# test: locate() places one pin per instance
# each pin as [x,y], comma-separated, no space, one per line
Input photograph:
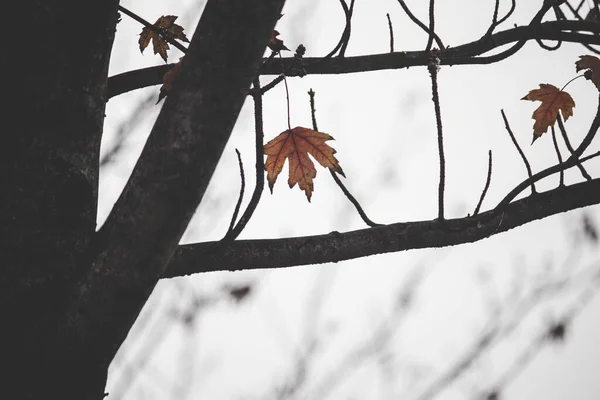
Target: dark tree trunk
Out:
[48,190]
[68,294]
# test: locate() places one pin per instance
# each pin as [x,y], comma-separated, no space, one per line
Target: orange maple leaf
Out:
[553,99]
[165,29]
[168,79]
[275,43]
[592,65]
[295,145]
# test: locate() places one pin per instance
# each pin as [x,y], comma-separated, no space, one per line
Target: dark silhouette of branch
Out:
[433,70]
[487,184]
[391,29]
[571,161]
[460,55]
[514,140]
[509,13]
[336,246]
[565,137]
[132,249]
[337,180]
[421,25]
[260,167]
[431,24]
[559,156]
[241,196]
[348,30]
[168,38]
[494,23]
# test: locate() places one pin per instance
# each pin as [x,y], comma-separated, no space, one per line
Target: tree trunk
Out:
[49,178]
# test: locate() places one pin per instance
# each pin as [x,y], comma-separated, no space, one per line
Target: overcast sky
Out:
[385,132]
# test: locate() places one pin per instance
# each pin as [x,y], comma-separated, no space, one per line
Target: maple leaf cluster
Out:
[295,145]
[163,30]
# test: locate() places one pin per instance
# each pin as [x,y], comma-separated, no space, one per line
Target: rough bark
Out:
[49,179]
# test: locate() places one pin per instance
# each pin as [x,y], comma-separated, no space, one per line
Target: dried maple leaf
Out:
[295,145]
[168,79]
[165,29]
[553,100]
[275,43]
[592,65]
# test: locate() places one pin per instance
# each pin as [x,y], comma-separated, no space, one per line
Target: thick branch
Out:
[135,244]
[334,247]
[554,30]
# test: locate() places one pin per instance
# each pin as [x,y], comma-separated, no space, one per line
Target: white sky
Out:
[385,134]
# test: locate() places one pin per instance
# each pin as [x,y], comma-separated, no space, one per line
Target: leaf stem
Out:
[287,94]
[577,77]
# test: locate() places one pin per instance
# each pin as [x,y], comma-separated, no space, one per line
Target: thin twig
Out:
[359,209]
[561,182]
[421,25]
[272,84]
[509,13]
[535,23]
[494,23]
[148,25]
[347,31]
[391,29]
[570,162]
[311,95]
[433,70]
[342,38]
[353,200]
[260,168]
[514,140]
[487,184]
[241,196]
[431,24]
[587,158]
[565,137]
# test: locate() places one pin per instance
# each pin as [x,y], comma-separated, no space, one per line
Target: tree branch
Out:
[133,248]
[335,246]
[553,30]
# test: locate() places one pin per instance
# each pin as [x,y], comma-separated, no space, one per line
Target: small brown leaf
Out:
[552,100]
[592,65]
[165,29]
[295,145]
[275,43]
[168,79]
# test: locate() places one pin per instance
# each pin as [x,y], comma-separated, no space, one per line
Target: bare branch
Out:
[259,166]
[487,184]
[132,250]
[553,30]
[433,70]
[241,196]
[561,173]
[391,29]
[565,137]
[421,25]
[335,246]
[514,140]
